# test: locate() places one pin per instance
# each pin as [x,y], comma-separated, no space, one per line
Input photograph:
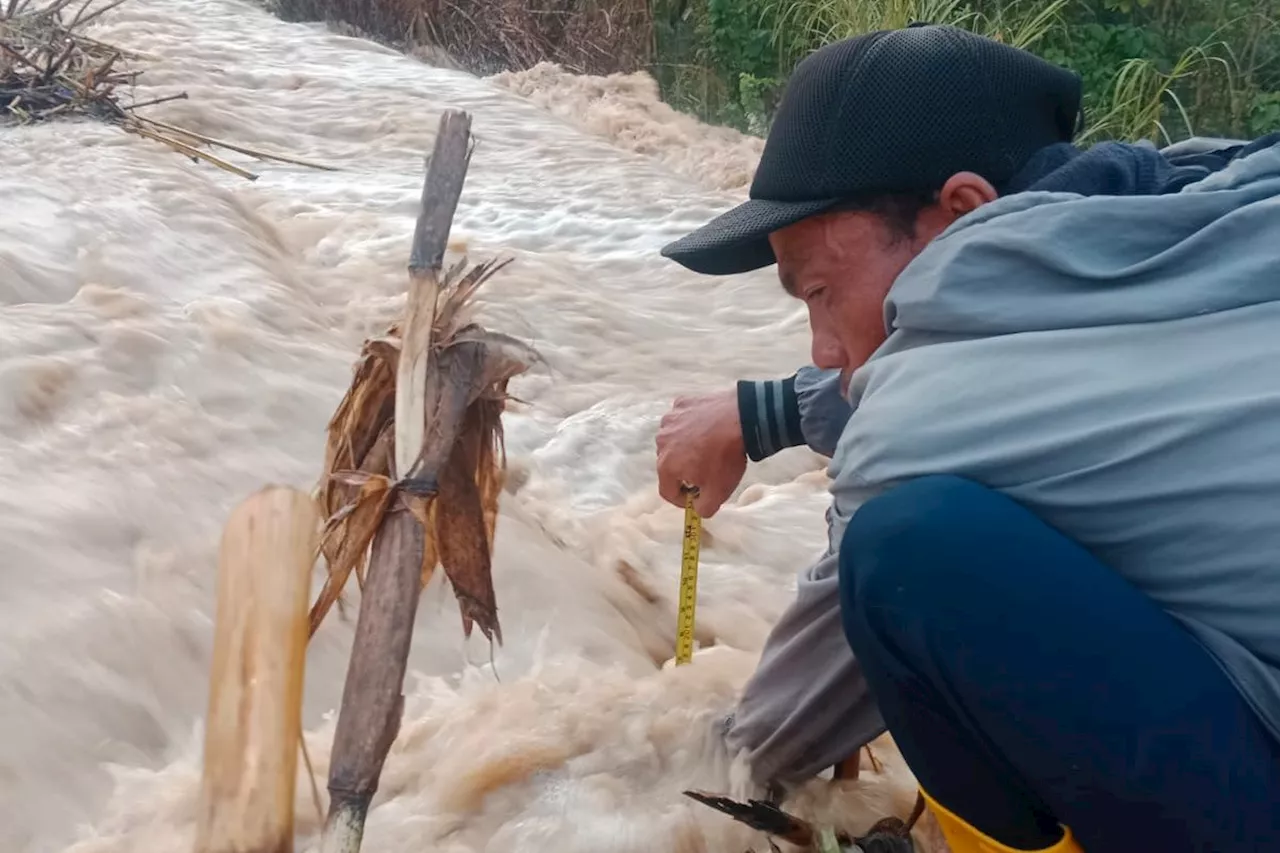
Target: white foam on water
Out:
[173,337]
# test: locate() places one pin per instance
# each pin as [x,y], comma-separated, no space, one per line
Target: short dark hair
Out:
[898,211]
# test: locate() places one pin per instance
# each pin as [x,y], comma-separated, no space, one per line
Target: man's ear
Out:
[965,192]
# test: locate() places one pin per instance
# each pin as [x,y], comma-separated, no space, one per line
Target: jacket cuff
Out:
[770,416]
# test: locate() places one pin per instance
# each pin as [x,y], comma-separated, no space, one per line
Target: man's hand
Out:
[700,444]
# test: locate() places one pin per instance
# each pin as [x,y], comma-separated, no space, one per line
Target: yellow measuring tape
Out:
[688,602]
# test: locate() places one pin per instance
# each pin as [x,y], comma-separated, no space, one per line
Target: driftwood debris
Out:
[413,471]
[760,815]
[49,69]
[255,692]
[887,835]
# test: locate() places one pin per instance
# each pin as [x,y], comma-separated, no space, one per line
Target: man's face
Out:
[841,265]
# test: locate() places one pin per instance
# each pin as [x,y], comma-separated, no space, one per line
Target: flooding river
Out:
[172,337]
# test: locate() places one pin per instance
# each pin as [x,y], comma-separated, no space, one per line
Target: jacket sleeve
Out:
[806,408]
[807,707]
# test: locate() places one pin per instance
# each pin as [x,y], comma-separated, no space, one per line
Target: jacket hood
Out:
[1036,261]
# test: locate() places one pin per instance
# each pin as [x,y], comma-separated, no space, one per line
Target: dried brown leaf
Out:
[350,478]
[454,485]
[358,422]
[338,517]
[385,349]
[378,459]
[505,357]
[463,543]
[484,422]
[346,543]
[457,300]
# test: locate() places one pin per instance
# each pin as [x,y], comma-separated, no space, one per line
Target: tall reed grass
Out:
[799,25]
[1154,69]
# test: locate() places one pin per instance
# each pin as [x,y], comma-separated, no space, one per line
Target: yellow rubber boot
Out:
[963,838]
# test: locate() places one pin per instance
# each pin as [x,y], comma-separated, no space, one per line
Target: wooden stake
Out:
[372,701]
[441,189]
[259,656]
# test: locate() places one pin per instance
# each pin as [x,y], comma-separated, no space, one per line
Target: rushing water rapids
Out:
[172,337]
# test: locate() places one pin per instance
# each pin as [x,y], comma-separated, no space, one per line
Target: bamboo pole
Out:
[222,143]
[372,701]
[255,693]
[191,151]
[441,189]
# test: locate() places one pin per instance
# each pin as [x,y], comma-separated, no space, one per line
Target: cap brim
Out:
[738,240]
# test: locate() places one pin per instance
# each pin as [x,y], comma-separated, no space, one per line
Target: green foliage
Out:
[1152,69]
[738,42]
[1264,113]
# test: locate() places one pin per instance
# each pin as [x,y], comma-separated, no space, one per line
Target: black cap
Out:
[892,111]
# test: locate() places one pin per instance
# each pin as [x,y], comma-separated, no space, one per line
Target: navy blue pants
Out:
[1029,685]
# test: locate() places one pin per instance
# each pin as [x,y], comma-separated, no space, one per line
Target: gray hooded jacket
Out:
[1113,363]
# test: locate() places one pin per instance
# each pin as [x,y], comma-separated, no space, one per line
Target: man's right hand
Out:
[700,444]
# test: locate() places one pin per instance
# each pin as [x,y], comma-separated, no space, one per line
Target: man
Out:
[1053,568]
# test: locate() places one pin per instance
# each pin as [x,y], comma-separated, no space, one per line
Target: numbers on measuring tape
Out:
[688,601]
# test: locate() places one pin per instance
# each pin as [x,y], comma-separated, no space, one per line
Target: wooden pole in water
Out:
[372,701]
[259,656]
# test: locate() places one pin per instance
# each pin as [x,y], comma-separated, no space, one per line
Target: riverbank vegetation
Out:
[1153,69]
[1157,69]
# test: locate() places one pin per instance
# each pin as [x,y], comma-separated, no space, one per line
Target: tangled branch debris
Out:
[888,835]
[49,69]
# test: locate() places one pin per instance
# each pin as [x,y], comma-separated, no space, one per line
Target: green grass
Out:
[1153,69]
[801,24]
